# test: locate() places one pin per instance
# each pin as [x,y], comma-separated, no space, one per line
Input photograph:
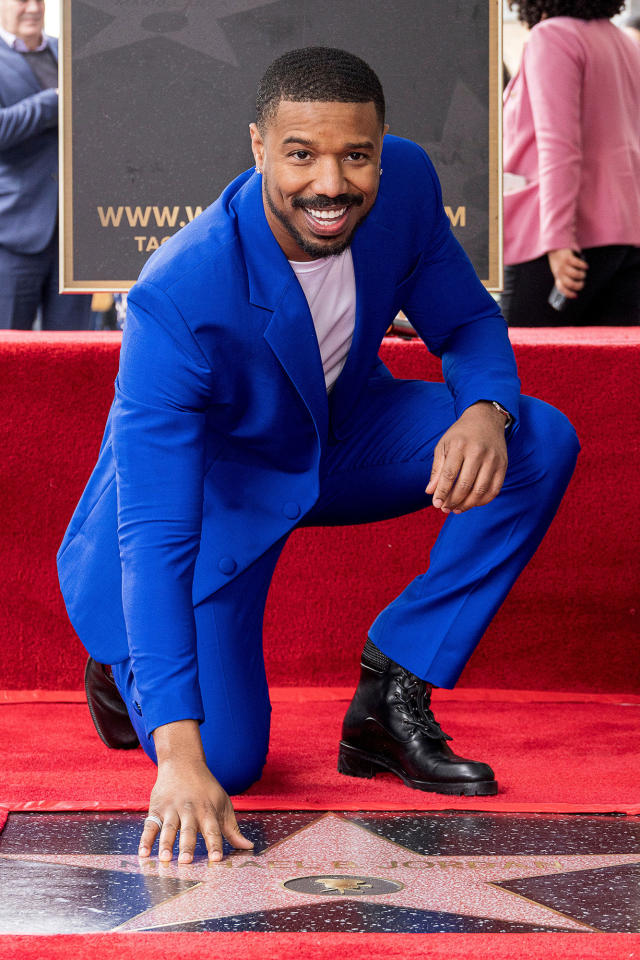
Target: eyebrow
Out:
[365,145]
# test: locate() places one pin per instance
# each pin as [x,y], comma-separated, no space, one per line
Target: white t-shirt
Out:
[329,285]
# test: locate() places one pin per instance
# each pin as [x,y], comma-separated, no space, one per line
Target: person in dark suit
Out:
[29,176]
[250,401]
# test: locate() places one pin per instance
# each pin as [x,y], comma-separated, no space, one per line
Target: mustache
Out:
[321,201]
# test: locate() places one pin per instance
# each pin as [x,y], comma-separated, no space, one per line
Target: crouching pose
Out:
[250,401]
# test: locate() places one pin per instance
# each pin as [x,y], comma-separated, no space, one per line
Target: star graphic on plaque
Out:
[192,23]
[301,870]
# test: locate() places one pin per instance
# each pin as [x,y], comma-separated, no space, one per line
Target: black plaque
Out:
[158,96]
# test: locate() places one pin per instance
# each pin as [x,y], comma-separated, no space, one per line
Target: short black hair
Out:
[321,74]
[533,11]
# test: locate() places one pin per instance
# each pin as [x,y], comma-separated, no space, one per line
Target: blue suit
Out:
[221,440]
[29,201]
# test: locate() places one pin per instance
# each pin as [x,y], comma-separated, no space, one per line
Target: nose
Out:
[329,178]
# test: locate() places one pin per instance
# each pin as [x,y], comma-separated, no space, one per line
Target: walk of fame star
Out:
[192,23]
[302,868]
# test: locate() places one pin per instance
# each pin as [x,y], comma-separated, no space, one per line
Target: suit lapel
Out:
[292,337]
[17,63]
[273,286]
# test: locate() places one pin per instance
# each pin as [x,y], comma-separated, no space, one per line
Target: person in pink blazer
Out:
[572,169]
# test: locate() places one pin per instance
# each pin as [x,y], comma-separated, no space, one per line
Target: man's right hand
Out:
[187,797]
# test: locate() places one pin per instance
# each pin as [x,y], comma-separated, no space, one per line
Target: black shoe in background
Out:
[389,727]
[107,709]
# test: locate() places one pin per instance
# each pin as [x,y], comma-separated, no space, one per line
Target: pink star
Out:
[244,883]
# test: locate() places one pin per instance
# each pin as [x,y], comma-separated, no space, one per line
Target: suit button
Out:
[227,565]
[291,510]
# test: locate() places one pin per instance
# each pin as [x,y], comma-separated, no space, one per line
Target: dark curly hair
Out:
[317,73]
[533,11]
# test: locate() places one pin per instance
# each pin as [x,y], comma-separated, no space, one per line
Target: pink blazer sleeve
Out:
[554,76]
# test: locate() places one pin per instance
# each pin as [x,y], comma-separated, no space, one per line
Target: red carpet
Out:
[571,624]
[324,946]
[579,593]
[577,754]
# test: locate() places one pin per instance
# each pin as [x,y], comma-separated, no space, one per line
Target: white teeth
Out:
[328,214]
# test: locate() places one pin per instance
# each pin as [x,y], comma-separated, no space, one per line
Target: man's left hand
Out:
[470,460]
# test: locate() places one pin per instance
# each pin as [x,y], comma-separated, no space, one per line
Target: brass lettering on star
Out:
[417,864]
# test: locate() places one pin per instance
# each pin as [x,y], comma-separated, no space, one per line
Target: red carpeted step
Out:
[570,754]
[571,622]
[323,946]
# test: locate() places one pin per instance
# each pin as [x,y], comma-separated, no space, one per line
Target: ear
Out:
[257,146]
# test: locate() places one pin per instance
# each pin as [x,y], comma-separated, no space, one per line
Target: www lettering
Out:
[147,216]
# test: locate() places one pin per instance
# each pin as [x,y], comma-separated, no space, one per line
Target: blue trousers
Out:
[380,470]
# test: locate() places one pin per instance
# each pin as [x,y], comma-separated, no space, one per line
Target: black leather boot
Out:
[389,727]
[107,709]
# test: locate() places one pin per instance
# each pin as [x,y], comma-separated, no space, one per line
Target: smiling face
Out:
[321,170]
[24,19]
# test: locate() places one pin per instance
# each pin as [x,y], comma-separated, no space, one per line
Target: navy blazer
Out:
[28,155]
[211,449]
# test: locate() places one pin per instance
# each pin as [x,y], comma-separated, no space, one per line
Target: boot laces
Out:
[413,699]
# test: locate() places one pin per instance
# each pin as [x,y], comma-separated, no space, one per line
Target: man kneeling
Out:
[250,401]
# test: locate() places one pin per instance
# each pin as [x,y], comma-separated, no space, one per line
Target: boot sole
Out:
[356,763]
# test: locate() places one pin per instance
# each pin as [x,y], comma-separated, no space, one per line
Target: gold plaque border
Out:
[494,281]
[68,283]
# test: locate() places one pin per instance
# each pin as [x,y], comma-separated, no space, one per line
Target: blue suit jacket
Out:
[212,446]
[28,155]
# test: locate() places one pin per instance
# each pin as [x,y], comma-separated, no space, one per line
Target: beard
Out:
[312,249]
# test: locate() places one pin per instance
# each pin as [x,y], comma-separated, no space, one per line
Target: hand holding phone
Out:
[569,271]
[556,299]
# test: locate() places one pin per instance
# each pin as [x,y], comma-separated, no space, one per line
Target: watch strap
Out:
[505,413]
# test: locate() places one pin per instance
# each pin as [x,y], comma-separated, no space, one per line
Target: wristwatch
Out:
[505,413]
